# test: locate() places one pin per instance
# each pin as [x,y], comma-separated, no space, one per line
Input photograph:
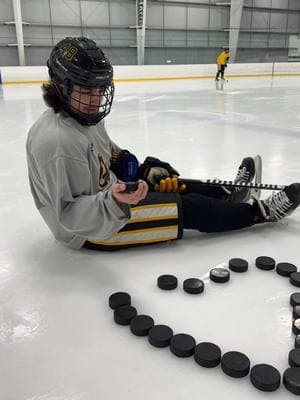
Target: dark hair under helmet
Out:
[80,62]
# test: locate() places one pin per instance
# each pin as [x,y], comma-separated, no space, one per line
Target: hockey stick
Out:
[231,184]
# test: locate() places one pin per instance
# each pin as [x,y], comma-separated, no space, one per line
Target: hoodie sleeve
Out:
[67,182]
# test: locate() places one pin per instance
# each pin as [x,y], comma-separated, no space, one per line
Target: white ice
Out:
[58,340]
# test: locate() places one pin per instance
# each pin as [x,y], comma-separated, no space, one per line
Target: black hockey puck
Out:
[295,279]
[167,282]
[182,345]
[193,286]
[265,263]
[296,312]
[297,342]
[285,269]
[160,336]
[291,380]
[119,299]
[238,265]
[296,326]
[295,299]
[124,314]
[294,358]
[207,354]
[219,275]
[141,325]
[235,364]
[265,377]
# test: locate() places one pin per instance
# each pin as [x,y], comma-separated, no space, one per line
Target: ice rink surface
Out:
[58,340]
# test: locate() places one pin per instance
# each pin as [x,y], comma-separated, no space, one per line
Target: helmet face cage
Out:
[89,105]
[82,77]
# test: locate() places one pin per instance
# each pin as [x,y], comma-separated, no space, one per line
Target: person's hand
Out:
[129,198]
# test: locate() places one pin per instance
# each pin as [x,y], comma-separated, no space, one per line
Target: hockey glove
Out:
[170,185]
[153,170]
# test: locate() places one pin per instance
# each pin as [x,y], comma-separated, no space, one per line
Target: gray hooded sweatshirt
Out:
[70,179]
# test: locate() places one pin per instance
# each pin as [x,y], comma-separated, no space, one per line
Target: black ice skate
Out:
[278,205]
[250,169]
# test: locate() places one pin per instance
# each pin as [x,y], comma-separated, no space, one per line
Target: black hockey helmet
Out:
[80,62]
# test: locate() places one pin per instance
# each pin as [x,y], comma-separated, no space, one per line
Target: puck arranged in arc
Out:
[295,299]
[219,275]
[141,325]
[207,354]
[265,263]
[294,358]
[160,335]
[296,312]
[182,345]
[297,342]
[167,282]
[265,377]
[238,265]
[285,269]
[295,279]
[124,314]
[296,326]
[193,286]
[235,364]
[291,380]
[119,299]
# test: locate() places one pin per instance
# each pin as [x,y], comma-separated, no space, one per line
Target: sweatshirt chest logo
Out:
[103,172]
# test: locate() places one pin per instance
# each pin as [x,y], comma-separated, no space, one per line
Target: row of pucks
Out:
[233,363]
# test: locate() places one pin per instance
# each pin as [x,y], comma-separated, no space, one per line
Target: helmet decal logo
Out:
[68,51]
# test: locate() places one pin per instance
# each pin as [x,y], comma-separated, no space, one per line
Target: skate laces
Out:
[243,176]
[279,205]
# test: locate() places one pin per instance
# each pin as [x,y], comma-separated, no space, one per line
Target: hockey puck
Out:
[291,380]
[193,286]
[124,314]
[235,364]
[167,282]
[207,355]
[265,263]
[219,275]
[296,326]
[296,312]
[285,269]
[182,345]
[160,336]
[294,358]
[265,377]
[295,279]
[119,299]
[297,342]
[238,265]
[141,325]
[295,299]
